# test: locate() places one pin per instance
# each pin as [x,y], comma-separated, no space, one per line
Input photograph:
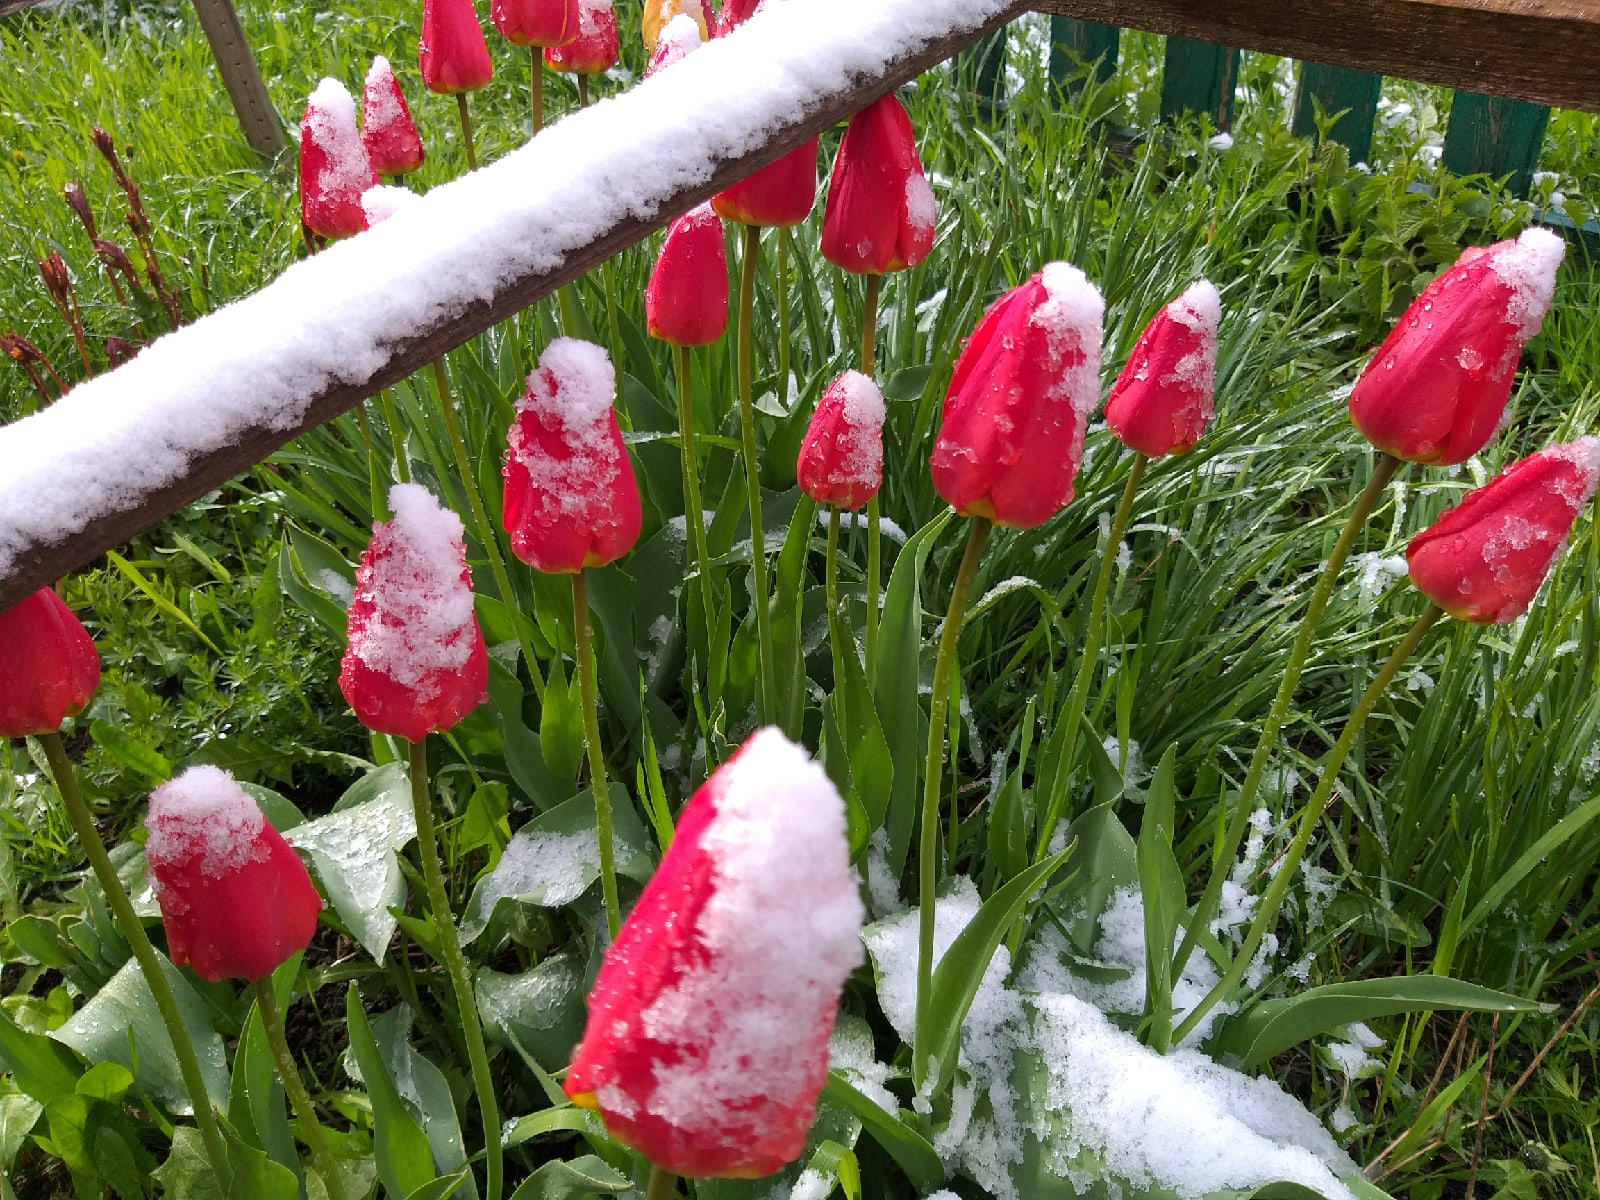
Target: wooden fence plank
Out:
[1351,94]
[1199,77]
[1496,137]
[1542,51]
[242,77]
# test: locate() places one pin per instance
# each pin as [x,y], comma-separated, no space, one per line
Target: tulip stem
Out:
[480,518]
[591,739]
[139,942]
[1072,716]
[694,512]
[869,364]
[583,91]
[782,287]
[1222,857]
[766,701]
[466,130]
[837,629]
[869,326]
[1285,869]
[444,930]
[536,87]
[310,1128]
[933,774]
[663,1184]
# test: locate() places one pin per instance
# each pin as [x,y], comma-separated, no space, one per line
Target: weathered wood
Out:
[1542,51]
[1497,137]
[1351,97]
[242,77]
[1076,42]
[1198,77]
[39,562]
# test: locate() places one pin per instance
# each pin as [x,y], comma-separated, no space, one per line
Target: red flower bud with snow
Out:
[777,195]
[235,899]
[451,51]
[680,37]
[334,167]
[735,13]
[686,300]
[1437,388]
[841,458]
[415,660]
[1484,560]
[48,665]
[659,14]
[880,213]
[1022,392]
[571,500]
[707,1041]
[595,49]
[387,130]
[1162,401]
[535,22]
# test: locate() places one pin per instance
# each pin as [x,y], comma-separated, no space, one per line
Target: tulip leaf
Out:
[124,1008]
[913,1152]
[443,1187]
[871,765]
[524,755]
[561,725]
[405,1159]
[256,1101]
[585,1175]
[293,579]
[1104,859]
[568,1118]
[1540,852]
[19,1113]
[542,1007]
[1161,890]
[423,1088]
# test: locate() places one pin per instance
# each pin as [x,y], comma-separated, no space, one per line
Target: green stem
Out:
[869,362]
[1267,912]
[310,1128]
[591,737]
[766,699]
[536,87]
[149,962]
[869,326]
[694,512]
[480,518]
[1078,701]
[837,629]
[444,928]
[1222,858]
[663,1184]
[374,488]
[783,314]
[933,773]
[583,91]
[466,130]
[402,469]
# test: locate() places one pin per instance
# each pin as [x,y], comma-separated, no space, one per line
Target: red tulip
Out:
[679,38]
[415,660]
[736,13]
[841,458]
[880,212]
[535,22]
[779,194]
[387,130]
[334,167]
[595,49]
[686,300]
[1023,389]
[451,52]
[1437,388]
[1484,559]
[707,1041]
[571,500]
[1161,403]
[658,14]
[48,665]
[235,899]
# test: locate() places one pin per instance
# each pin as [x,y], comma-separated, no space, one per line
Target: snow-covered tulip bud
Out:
[48,666]
[880,212]
[841,458]
[595,49]
[660,14]
[387,130]
[1162,401]
[334,166]
[680,38]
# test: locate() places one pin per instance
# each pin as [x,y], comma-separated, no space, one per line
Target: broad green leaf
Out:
[585,1175]
[915,1155]
[568,1119]
[1271,1027]
[524,755]
[443,1187]
[330,614]
[256,1102]
[41,1068]
[543,1007]
[1104,859]
[18,1114]
[405,1159]
[561,725]
[871,765]
[99,1144]
[423,1088]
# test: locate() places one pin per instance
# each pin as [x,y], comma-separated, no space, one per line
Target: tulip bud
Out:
[707,1041]
[736,13]
[779,194]
[1162,401]
[334,167]
[1484,559]
[841,458]
[571,500]
[535,22]
[1022,392]
[686,300]
[415,659]
[679,38]
[880,212]
[658,14]
[451,51]
[235,899]
[387,130]
[1437,388]
[595,49]
[48,665]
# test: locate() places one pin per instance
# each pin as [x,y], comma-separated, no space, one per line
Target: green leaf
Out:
[567,1119]
[130,752]
[99,1144]
[561,726]
[443,1187]
[41,1068]
[138,580]
[524,755]
[405,1159]
[871,764]
[913,1152]
[256,1102]
[423,1088]
[955,980]
[1273,1026]
[1161,890]
[543,1007]
[18,1115]
[585,1175]
[1540,852]
[1103,859]
[907,383]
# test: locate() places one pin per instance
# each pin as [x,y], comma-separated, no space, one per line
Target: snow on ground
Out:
[330,319]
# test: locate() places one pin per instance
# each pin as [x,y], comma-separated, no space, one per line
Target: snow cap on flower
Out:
[707,1040]
[451,51]
[841,457]
[1437,388]
[535,22]
[1162,401]
[571,499]
[1019,400]
[880,212]
[387,131]
[679,38]
[235,899]
[780,194]
[48,665]
[660,14]
[334,167]
[1485,559]
[686,300]
[415,661]
[595,49]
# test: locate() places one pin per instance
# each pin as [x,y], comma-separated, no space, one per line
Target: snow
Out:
[331,121]
[557,866]
[1584,454]
[921,212]
[202,821]
[1071,316]
[384,200]
[335,319]
[679,38]
[1528,268]
[571,391]
[862,448]
[381,106]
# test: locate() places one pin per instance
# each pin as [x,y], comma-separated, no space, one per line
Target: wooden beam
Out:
[1542,51]
[242,77]
[38,562]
